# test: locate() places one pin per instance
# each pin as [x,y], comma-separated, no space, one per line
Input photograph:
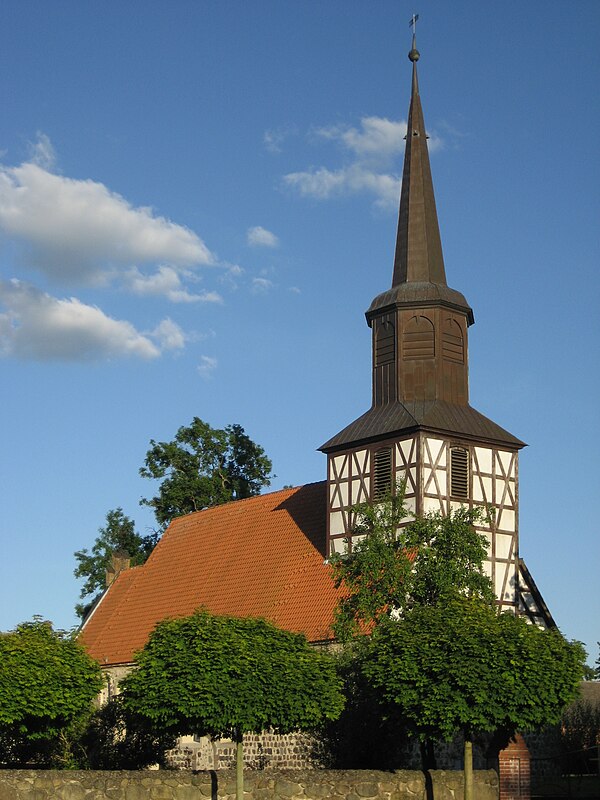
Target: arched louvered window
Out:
[459,472]
[385,340]
[453,346]
[382,472]
[418,339]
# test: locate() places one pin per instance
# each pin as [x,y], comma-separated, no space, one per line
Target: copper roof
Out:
[261,557]
[419,273]
[433,415]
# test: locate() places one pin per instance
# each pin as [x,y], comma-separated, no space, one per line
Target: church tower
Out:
[420,427]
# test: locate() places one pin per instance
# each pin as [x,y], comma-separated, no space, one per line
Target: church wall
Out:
[424,461]
[350,482]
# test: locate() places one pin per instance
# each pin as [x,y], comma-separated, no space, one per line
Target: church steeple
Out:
[419,275]
[420,323]
[418,245]
[421,430]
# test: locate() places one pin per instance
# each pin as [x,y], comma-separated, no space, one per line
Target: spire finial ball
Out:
[414,55]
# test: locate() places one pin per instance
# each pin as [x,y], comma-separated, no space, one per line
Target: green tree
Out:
[393,568]
[579,735]
[116,738]
[118,534]
[461,667]
[47,685]
[226,676]
[203,467]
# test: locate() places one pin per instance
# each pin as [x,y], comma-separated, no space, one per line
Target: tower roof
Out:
[419,273]
[433,415]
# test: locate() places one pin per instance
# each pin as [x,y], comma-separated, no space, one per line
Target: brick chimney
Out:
[120,560]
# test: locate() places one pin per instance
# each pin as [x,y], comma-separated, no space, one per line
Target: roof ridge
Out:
[254,498]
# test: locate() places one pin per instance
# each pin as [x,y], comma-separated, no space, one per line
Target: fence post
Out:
[514,770]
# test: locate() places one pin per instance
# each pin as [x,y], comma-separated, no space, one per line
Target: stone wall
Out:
[448,785]
[261,751]
[263,785]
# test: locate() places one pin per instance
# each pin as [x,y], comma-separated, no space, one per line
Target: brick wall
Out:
[514,770]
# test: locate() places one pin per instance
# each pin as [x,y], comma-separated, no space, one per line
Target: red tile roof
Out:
[261,557]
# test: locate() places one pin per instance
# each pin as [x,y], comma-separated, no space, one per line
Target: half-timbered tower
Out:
[420,427]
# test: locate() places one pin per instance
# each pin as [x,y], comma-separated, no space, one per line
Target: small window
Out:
[453,346]
[418,339]
[382,472]
[459,472]
[385,344]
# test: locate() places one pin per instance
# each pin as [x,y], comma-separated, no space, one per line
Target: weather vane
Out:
[414,53]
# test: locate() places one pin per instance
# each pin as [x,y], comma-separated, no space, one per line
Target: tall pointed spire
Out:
[418,245]
[419,275]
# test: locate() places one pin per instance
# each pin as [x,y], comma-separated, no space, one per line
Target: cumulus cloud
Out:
[323,183]
[166,282]
[80,231]
[207,366]
[377,137]
[37,326]
[261,237]
[373,147]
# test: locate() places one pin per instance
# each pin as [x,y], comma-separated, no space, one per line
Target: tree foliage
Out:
[362,737]
[391,569]
[219,675]
[204,467]
[47,685]
[224,676]
[463,667]
[116,738]
[118,534]
[439,657]
[580,726]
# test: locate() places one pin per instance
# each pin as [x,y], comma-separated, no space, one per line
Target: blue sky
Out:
[197,204]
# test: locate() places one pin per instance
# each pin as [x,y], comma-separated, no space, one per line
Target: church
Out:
[268,556]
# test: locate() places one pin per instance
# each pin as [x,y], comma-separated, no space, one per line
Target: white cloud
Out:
[39,327]
[42,152]
[78,230]
[323,183]
[169,335]
[261,237]
[374,147]
[166,282]
[260,285]
[377,137]
[207,366]
[231,276]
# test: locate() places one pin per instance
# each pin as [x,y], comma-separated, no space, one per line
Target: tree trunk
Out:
[239,765]
[468,768]
[427,755]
